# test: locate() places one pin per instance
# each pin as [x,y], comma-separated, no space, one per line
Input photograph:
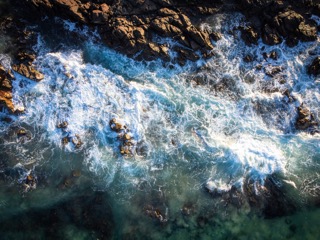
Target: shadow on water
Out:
[86,215]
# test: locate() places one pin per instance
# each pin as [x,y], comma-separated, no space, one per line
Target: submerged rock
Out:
[155,213]
[269,198]
[85,211]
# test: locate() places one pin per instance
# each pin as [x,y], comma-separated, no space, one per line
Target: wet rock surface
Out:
[306,120]
[134,27]
[6,78]
[314,67]
[22,60]
[281,20]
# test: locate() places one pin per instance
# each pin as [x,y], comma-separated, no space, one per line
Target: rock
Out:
[314,68]
[215,36]
[99,17]
[271,198]
[249,35]
[21,132]
[292,24]
[63,124]
[155,213]
[248,58]
[65,140]
[6,99]
[305,118]
[6,78]
[28,72]
[76,140]
[270,36]
[272,71]
[273,55]
[115,125]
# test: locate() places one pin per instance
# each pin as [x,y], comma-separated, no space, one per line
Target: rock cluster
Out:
[135,27]
[23,58]
[278,20]
[69,137]
[127,142]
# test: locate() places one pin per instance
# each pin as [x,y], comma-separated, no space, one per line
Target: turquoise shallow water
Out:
[202,155]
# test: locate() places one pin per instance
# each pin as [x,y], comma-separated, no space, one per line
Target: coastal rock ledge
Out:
[143,29]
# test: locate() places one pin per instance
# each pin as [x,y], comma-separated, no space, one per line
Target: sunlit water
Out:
[236,126]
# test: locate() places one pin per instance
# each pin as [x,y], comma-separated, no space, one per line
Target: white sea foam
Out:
[218,135]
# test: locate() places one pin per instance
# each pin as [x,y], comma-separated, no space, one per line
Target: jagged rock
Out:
[270,36]
[65,140]
[269,198]
[28,71]
[155,213]
[272,71]
[249,35]
[305,118]
[314,68]
[292,24]
[6,99]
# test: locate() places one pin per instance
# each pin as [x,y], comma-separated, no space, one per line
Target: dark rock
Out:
[155,213]
[63,124]
[249,35]
[272,71]
[269,198]
[292,41]
[65,140]
[77,142]
[86,210]
[274,55]
[314,68]
[188,209]
[270,36]
[115,125]
[305,118]
[215,36]
[248,58]
[6,99]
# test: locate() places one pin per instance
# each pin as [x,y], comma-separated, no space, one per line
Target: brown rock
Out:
[99,17]
[305,118]
[202,38]
[73,9]
[28,72]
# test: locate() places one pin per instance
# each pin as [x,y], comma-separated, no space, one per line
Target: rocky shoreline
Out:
[152,29]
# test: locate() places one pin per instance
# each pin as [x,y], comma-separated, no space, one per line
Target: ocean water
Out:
[198,132]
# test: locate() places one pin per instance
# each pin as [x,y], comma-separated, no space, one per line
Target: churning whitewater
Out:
[213,125]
